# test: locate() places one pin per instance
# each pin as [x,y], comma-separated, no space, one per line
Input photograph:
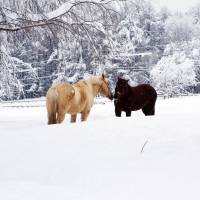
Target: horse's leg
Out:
[73,118]
[128,113]
[118,113]
[51,112]
[52,119]
[84,115]
[61,117]
[149,109]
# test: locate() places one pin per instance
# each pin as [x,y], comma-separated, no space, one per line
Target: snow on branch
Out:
[66,7]
[11,20]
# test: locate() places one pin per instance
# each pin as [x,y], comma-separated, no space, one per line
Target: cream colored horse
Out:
[75,98]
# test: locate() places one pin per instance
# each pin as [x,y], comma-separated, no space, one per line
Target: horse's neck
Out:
[129,88]
[128,91]
[95,87]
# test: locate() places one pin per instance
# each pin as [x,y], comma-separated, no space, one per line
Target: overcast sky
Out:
[174,5]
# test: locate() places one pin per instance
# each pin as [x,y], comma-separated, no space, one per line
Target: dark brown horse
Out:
[129,98]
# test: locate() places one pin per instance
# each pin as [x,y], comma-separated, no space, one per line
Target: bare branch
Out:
[13,29]
[144,146]
[20,22]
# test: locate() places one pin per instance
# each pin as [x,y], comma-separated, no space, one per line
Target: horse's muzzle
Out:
[116,95]
[111,97]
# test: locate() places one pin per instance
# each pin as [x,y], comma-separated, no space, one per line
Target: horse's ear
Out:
[103,76]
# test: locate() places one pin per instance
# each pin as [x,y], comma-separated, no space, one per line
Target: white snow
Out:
[173,72]
[64,8]
[101,159]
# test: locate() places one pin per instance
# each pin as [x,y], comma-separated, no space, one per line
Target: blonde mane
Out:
[93,80]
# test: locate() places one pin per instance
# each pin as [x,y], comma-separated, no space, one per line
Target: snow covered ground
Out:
[101,159]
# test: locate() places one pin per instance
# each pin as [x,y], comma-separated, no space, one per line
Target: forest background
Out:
[44,42]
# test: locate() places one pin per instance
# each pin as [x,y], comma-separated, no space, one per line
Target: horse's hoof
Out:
[118,114]
[128,115]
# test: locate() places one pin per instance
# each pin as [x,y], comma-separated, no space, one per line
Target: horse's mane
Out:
[93,79]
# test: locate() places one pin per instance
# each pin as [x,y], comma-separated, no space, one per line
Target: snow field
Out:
[101,158]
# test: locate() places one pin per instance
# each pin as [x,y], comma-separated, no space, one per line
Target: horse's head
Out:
[121,88]
[104,87]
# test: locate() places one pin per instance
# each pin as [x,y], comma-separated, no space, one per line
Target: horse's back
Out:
[144,90]
[84,94]
[140,96]
[62,92]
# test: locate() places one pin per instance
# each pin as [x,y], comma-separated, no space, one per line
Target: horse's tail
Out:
[51,104]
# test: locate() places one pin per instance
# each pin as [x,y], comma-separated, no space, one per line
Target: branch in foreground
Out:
[48,18]
[144,146]
[13,29]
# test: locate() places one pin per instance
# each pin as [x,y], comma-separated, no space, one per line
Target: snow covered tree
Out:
[195,13]
[173,74]
[179,28]
[57,40]
[10,87]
